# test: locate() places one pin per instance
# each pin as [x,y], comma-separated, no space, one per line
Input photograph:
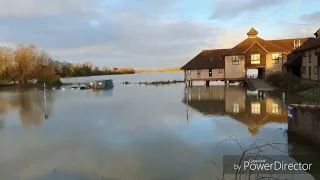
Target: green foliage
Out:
[312,93]
[65,69]
[289,82]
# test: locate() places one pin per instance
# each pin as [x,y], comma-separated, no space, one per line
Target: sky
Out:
[148,34]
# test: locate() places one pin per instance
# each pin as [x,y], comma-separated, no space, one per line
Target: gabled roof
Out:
[242,47]
[311,43]
[288,43]
[294,60]
[207,59]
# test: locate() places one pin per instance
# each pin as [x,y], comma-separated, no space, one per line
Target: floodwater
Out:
[135,132]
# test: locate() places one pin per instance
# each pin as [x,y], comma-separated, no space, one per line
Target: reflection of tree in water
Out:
[1,124]
[32,107]
[4,107]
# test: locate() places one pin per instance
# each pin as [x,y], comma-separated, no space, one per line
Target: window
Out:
[309,69]
[303,69]
[255,58]
[309,56]
[199,73]
[189,71]
[255,108]
[236,108]
[316,70]
[235,60]
[210,72]
[275,108]
[220,71]
[211,59]
[275,58]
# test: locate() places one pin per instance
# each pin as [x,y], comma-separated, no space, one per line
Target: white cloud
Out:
[32,8]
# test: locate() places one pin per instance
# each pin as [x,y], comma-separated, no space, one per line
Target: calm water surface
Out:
[133,132]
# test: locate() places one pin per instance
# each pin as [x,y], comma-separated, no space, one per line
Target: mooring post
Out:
[45,104]
[207,83]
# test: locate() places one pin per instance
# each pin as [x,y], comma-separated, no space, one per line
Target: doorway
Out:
[261,73]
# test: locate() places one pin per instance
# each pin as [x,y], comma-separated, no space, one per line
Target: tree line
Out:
[25,63]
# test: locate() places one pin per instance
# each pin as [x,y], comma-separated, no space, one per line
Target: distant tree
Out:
[5,60]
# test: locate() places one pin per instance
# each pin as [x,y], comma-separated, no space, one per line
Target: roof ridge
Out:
[273,44]
[215,49]
[286,39]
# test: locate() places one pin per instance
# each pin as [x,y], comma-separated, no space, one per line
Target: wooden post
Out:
[207,83]
[313,90]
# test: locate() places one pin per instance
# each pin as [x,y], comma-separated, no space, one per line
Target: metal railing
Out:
[249,83]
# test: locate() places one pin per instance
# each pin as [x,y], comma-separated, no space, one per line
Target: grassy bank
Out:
[293,84]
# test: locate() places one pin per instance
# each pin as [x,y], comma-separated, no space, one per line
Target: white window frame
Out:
[235,60]
[236,108]
[189,71]
[275,108]
[255,59]
[255,108]
[275,58]
[198,72]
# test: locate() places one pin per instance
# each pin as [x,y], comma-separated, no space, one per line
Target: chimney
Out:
[296,44]
[252,33]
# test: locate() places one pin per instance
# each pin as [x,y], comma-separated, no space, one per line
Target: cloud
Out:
[311,18]
[34,8]
[126,33]
[234,8]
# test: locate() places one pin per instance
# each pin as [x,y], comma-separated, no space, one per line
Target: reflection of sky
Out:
[142,131]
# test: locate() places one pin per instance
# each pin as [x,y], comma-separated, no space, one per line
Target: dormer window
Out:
[211,59]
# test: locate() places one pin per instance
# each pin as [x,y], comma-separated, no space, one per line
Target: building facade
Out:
[253,53]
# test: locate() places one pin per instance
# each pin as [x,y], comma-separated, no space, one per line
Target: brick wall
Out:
[305,122]
[306,63]
[235,71]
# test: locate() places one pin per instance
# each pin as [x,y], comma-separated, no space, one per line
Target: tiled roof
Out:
[288,43]
[294,60]
[311,43]
[207,59]
[247,43]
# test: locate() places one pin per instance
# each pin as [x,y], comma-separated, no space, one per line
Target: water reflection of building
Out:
[254,109]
